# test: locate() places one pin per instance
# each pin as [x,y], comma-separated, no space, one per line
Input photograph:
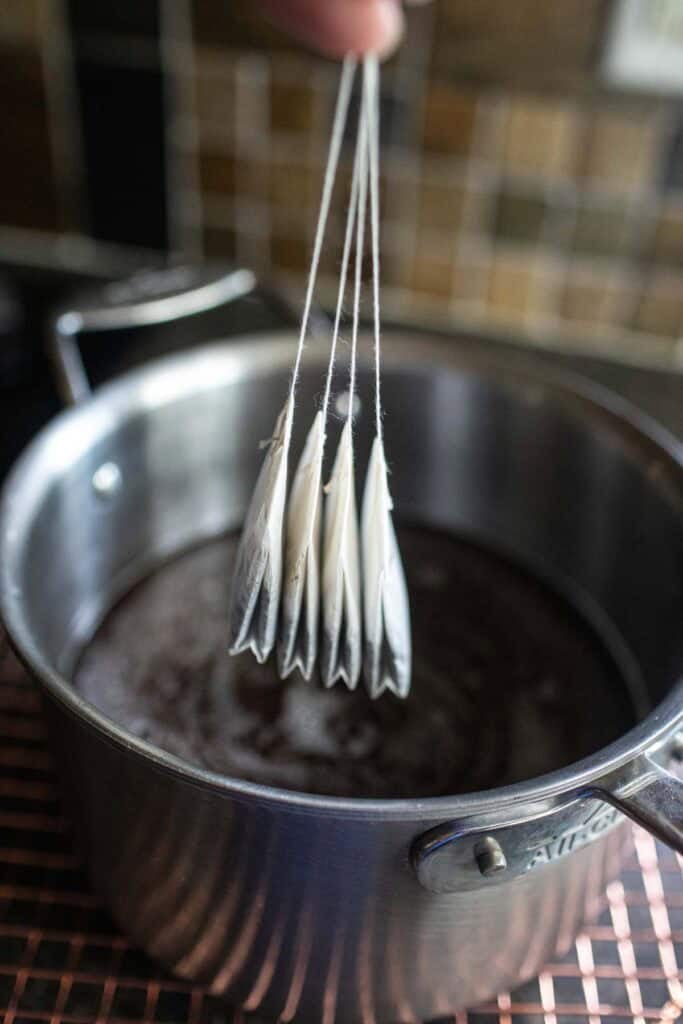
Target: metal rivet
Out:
[677,746]
[106,480]
[489,856]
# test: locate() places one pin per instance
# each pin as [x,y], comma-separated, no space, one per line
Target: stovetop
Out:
[63,961]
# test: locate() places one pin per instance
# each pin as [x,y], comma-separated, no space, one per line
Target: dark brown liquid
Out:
[508,682]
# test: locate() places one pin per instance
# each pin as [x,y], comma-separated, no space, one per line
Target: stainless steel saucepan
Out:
[315,908]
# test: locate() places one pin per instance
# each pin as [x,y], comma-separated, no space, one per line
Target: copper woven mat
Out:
[62,959]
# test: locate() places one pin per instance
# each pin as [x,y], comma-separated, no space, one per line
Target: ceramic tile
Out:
[292,107]
[294,186]
[234,25]
[660,309]
[290,253]
[218,172]
[219,244]
[490,135]
[331,255]
[440,206]
[622,149]
[429,266]
[449,120]
[432,274]
[510,287]
[594,295]
[250,177]
[672,170]
[399,251]
[395,287]
[667,244]
[546,289]
[400,178]
[215,102]
[526,41]
[470,280]
[541,137]
[396,118]
[604,230]
[520,218]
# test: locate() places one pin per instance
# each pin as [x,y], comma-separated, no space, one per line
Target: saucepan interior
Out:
[525,463]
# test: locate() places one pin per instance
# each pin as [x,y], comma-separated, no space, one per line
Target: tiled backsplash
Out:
[520,196]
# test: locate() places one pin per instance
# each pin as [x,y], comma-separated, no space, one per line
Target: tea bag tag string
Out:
[343,274]
[360,242]
[371,107]
[340,114]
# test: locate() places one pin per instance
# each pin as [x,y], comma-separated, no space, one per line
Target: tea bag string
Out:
[371,97]
[360,242]
[340,114]
[344,272]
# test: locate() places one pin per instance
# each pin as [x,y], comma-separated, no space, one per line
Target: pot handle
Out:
[153,297]
[456,855]
[649,794]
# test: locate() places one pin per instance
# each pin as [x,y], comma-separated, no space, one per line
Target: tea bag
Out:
[255,598]
[342,626]
[256,589]
[387,654]
[270,573]
[298,641]
[341,654]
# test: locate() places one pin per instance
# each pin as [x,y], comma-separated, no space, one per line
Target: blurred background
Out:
[532,170]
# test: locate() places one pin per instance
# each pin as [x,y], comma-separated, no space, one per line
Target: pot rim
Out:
[275,348]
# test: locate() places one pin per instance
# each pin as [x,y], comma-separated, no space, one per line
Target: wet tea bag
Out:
[387,654]
[257,580]
[255,598]
[298,639]
[387,639]
[342,623]
[294,559]
[341,653]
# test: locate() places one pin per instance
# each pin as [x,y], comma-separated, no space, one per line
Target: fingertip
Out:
[368,26]
[360,27]
[338,27]
[390,26]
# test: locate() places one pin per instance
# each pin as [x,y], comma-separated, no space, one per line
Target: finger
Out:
[338,27]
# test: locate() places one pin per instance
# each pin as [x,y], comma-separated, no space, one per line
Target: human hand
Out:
[338,27]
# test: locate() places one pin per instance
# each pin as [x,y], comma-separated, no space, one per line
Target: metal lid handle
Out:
[154,297]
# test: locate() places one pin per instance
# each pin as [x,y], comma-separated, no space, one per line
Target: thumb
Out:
[338,27]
